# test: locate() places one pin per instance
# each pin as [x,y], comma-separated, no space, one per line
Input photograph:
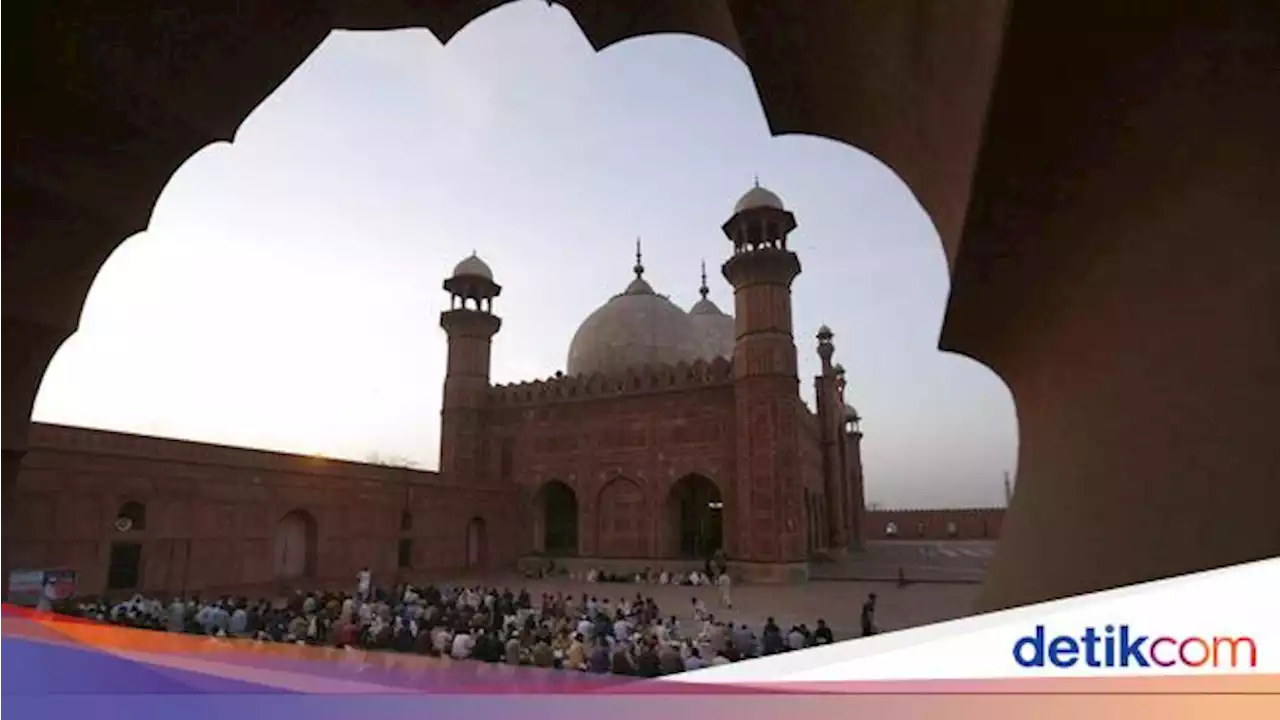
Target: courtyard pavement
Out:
[837,602]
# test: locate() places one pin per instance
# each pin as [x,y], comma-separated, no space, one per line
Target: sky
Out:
[286,294]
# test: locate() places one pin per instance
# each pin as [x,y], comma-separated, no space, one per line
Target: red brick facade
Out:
[211,513]
[958,524]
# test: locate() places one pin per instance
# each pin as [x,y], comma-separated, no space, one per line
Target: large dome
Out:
[638,327]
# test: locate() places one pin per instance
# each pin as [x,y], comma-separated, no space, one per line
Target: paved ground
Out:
[838,602]
[919,560]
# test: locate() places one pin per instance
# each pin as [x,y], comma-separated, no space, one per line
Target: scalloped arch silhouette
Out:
[914,83]
[715,21]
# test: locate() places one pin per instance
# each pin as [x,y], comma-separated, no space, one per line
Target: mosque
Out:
[670,435]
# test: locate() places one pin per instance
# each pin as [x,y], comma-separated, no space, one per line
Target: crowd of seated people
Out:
[629,636]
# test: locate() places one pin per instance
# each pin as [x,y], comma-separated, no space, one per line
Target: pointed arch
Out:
[695,516]
[623,521]
[556,519]
[295,545]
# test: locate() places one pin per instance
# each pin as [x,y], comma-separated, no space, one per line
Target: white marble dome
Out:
[636,328]
[715,328]
[473,266]
[758,197]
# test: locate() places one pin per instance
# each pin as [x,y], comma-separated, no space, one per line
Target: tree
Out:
[394,461]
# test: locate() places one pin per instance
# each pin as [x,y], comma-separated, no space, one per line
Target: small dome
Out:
[758,197]
[473,266]
[715,329]
[850,413]
[824,333]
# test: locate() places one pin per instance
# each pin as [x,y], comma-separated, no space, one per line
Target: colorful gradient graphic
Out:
[61,667]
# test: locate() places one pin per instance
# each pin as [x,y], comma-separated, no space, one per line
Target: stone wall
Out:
[211,514]
[967,524]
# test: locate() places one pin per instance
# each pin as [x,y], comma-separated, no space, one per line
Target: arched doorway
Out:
[557,507]
[695,512]
[124,569]
[623,520]
[295,550]
[477,543]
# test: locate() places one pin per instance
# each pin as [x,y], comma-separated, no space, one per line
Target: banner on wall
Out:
[25,586]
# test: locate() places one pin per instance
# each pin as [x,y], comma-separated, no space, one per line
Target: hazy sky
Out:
[287,292]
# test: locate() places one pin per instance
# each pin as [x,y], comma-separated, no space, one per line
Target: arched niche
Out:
[622,520]
[295,553]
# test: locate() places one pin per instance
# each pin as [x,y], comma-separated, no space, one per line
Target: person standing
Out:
[726,587]
[177,617]
[364,582]
[869,616]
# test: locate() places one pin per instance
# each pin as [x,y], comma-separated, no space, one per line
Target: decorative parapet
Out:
[646,380]
[48,437]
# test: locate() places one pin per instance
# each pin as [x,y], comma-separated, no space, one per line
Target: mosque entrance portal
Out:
[558,510]
[696,511]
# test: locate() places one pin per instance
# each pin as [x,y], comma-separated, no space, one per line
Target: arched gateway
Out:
[695,515]
[556,522]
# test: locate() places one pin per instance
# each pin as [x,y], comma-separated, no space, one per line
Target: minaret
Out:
[831,422]
[768,518]
[471,325]
[854,482]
